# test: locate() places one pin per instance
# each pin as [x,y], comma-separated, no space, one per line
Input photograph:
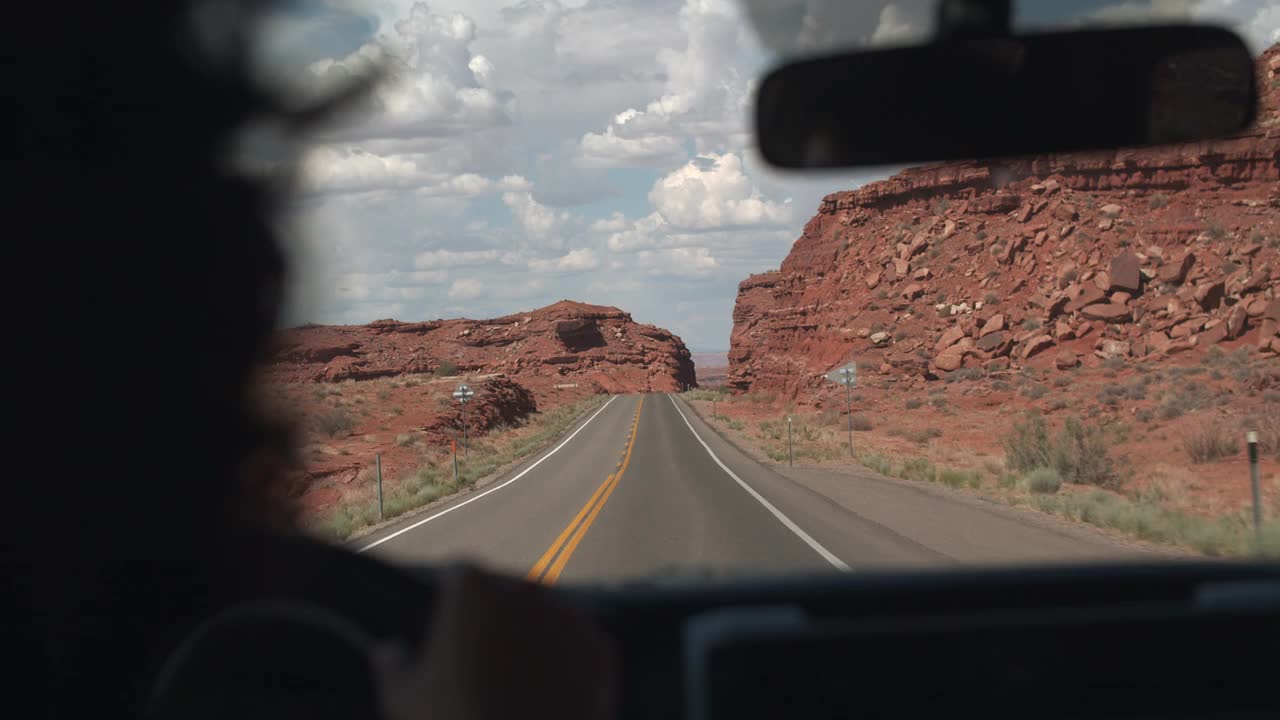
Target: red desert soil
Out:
[1138,289]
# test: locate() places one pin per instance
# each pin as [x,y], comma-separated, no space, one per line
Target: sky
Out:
[517,153]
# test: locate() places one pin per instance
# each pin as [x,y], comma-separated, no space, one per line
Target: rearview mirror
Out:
[993,96]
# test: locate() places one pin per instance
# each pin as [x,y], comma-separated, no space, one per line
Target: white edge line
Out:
[495,488]
[808,539]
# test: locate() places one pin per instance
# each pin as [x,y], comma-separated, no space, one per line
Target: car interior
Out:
[1151,641]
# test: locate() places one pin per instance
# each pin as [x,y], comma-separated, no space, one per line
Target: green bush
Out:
[1078,453]
[1188,397]
[1209,442]
[959,478]
[914,403]
[1044,481]
[861,423]
[963,374]
[737,425]
[918,469]
[446,368]
[335,421]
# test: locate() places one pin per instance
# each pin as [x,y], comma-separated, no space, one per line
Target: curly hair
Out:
[155,282]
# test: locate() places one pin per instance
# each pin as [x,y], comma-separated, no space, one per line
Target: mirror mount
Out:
[967,18]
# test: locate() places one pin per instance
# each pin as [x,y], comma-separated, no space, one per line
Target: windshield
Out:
[553,313]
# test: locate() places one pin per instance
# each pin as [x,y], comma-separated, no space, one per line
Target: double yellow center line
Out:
[548,568]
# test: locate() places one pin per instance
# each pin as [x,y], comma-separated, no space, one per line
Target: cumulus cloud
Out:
[713,191]
[573,261]
[685,262]
[444,259]
[540,223]
[337,169]
[432,81]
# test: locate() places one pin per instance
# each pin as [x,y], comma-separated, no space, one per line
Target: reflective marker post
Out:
[453,449]
[790,462]
[1252,438]
[378,458]
[848,411]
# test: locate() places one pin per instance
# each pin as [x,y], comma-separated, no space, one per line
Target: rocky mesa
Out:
[592,347]
[1055,262]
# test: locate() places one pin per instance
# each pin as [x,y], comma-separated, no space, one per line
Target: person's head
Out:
[150,281]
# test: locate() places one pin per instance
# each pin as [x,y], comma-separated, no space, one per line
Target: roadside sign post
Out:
[453,450]
[848,377]
[790,459]
[463,395]
[714,415]
[1252,438]
[378,459]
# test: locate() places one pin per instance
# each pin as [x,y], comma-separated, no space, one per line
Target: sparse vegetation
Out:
[919,436]
[1158,201]
[737,425]
[1035,391]
[1188,397]
[1079,453]
[446,368]
[913,403]
[1044,481]
[1209,442]
[1215,229]
[963,374]
[1031,324]
[990,298]
[861,423]
[335,422]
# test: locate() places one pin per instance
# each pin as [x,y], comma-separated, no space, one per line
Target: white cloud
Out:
[466,289]
[713,191]
[609,149]
[616,222]
[685,262]
[336,169]
[432,81]
[573,261]
[442,259]
[540,223]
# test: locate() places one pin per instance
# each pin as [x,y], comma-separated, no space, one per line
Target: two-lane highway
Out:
[642,488]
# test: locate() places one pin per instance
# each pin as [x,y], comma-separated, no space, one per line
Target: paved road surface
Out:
[643,487]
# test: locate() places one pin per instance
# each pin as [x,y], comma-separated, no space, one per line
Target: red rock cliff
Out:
[1056,260]
[565,343]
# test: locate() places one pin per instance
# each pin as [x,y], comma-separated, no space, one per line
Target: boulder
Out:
[1111,210]
[873,279]
[950,359]
[1088,296]
[1176,272]
[1236,322]
[1157,341]
[949,338]
[1107,312]
[1114,348]
[1188,327]
[1177,346]
[1209,294]
[1036,345]
[880,338]
[1121,298]
[901,267]
[994,342]
[1065,360]
[1056,306]
[994,324]
[1063,331]
[912,291]
[1126,273]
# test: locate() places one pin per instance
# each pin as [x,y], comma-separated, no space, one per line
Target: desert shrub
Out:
[1146,415]
[1059,404]
[1044,481]
[1188,397]
[384,395]
[737,425]
[446,367]
[990,299]
[963,374]
[861,423]
[914,403]
[1035,391]
[335,421]
[1113,363]
[919,437]
[1079,453]
[1001,386]
[1158,201]
[1209,442]
[938,402]
[1031,324]
[959,478]
[877,463]
[918,469]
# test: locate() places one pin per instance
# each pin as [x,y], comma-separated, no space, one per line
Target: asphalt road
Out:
[643,489]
